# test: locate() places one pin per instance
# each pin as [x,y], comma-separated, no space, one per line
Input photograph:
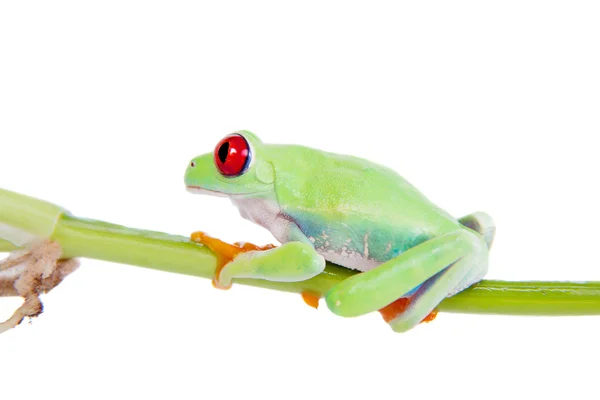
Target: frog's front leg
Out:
[291,262]
[439,267]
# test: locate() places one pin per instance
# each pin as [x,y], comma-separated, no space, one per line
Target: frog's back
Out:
[356,212]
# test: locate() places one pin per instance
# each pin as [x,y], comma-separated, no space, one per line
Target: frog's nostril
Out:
[192,164]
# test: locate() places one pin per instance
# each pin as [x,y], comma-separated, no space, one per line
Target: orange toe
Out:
[393,310]
[430,317]
[216,245]
[311,299]
[224,252]
[246,246]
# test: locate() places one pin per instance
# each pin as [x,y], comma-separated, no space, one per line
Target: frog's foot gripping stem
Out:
[290,262]
[225,253]
[30,273]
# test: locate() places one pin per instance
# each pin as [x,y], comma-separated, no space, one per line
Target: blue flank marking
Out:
[338,234]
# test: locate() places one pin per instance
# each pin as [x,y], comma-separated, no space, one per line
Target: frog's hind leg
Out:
[439,267]
[482,223]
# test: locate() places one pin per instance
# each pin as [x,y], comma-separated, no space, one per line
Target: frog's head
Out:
[234,169]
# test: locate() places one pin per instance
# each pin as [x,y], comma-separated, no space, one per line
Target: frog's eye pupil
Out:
[223,152]
[232,155]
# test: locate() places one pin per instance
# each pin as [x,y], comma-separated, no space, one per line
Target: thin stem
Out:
[104,241]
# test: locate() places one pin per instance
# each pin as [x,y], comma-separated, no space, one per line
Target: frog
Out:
[409,254]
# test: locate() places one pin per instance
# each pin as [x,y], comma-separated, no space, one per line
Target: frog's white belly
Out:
[268,214]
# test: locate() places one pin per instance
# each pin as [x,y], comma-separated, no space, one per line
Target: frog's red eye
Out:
[232,155]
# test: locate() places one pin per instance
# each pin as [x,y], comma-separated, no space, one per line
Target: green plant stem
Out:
[6,246]
[104,241]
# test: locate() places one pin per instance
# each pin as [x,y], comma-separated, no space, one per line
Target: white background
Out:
[483,105]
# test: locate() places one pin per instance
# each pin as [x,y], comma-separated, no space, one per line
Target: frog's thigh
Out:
[482,223]
[375,289]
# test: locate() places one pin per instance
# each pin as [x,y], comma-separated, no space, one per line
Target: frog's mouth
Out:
[201,190]
[210,192]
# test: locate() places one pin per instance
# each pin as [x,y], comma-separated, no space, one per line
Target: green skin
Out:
[354,213]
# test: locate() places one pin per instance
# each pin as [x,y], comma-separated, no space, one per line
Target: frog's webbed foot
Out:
[290,262]
[30,273]
[225,253]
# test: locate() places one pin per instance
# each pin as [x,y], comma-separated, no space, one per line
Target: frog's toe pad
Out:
[217,285]
[431,316]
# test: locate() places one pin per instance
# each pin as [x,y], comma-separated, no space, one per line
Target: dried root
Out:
[30,273]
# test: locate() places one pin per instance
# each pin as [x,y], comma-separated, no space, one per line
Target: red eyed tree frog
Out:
[346,210]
